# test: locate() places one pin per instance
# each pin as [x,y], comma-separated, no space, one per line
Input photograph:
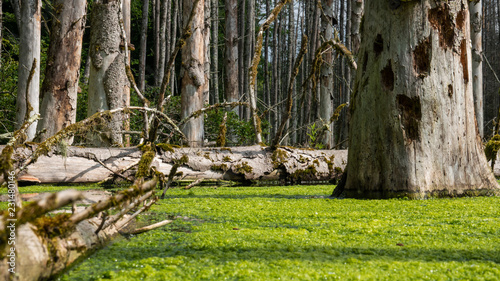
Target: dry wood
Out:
[151,227]
[193,184]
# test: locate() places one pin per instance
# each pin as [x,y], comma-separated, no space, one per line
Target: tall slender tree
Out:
[231,56]
[193,73]
[60,87]
[143,47]
[326,87]
[413,127]
[215,51]
[476,14]
[28,85]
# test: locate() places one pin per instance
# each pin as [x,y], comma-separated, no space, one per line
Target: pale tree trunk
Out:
[173,41]
[215,50]
[28,85]
[107,79]
[143,50]
[231,61]
[249,50]
[241,52]
[60,87]
[193,73]
[476,14]
[206,38]
[291,55]
[267,88]
[126,14]
[163,40]
[326,86]
[16,6]
[413,130]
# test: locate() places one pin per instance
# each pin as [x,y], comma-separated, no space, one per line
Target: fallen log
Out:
[240,164]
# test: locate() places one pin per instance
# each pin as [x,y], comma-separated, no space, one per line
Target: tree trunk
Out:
[157,41]
[16,6]
[206,39]
[193,74]
[1,34]
[476,14]
[326,87]
[143,50]
[28,85]
[107,79]
[163,40]
[60,87]
[239,164]
[241,52]
[413,130]
[232,78]
[291,62]
[215,51]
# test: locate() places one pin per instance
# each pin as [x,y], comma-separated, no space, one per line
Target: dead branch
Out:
[193,184]
[221,137]
[151,227]
[186,33]
[197,113]
[109,169]
[288,113]
[132,205]
[325,126]
[137,189]
[254,66]
[144,208]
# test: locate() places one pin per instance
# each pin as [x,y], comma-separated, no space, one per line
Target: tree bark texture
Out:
[60,87]
[29,53]
[215,51]
[143,47]
[476,15]
[413,130]
[108,80]
[193,74]
[239,164]
[231,61]
[206,37]
[1,34]
[326,78]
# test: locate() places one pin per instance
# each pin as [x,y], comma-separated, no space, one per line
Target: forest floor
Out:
[298,233]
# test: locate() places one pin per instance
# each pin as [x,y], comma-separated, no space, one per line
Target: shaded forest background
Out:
[281,45]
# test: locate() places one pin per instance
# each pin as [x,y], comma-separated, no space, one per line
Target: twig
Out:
[144,208]
[108,168]
[151,227]
[193,184]
[132,205]
[288,113]
[171,176]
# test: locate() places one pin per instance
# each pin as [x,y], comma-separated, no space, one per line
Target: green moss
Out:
[221,167]
[338,170]
[316,162]
[226,149]
[492,147]
[304,174]
[148,154]
[53,226]
[242,168]
[227,159]
[221,137]
[167,147]
[207,156]
[279,157]
[329,163]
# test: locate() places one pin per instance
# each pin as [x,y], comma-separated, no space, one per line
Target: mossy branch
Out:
[326,124]
[288,112]
[253,68]
[186,33]
[29,108]
[197,113]
[138,189]
[221,137]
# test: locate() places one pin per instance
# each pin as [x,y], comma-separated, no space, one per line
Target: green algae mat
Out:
[297,233]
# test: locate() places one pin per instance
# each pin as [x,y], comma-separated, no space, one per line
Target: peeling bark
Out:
[193,73]
[413,132]
[60,87]
[108,79]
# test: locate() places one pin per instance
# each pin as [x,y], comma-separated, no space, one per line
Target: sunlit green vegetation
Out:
[269,233]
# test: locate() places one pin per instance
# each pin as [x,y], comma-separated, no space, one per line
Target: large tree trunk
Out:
[193,73]
[232,82]
[326,78]
[413,130]
[476,14]
[239,164]
[28,85]
[107,81]
[206,39]
[143,50]
[60,87]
